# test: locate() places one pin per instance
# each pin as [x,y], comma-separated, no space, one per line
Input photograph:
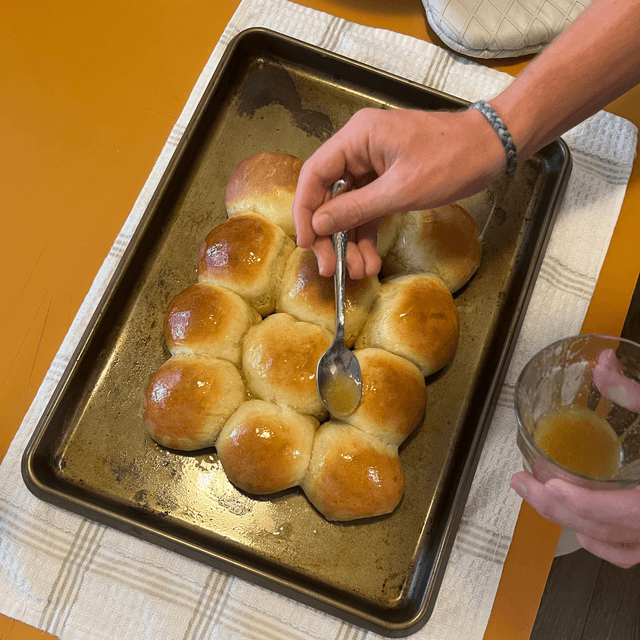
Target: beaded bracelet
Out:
[501,130]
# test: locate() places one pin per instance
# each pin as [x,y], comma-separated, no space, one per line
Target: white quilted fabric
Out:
[500,28]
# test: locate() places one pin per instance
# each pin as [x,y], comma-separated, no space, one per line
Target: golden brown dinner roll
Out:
[279,360]
[189,399]
[265,183]
[352,474]
[207,319]
[246,254]
[394,395]
[308,296]
[443,241]
[265,448]
[414,317]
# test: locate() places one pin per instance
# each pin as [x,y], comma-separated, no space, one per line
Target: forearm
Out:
[596,60]
[424,159]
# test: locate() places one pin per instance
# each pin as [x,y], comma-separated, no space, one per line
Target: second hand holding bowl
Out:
[338,374]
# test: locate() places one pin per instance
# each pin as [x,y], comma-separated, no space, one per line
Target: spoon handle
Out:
[340,248]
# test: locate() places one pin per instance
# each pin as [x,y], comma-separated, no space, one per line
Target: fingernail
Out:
[520,488]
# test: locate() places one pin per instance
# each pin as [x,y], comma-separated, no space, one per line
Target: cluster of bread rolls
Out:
[246,338]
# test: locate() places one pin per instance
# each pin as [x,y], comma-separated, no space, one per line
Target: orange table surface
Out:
[90,92]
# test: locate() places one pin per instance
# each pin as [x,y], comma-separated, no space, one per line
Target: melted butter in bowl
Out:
[580,440]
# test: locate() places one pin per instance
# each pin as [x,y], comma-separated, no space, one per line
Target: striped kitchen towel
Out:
[77,579]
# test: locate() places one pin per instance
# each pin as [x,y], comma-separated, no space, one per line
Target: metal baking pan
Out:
[91,454]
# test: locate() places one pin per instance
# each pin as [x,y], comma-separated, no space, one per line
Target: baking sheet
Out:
[91,453]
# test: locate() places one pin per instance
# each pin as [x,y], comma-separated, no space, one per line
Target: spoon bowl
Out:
[338,374]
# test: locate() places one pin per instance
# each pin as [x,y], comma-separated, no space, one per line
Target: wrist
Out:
[528,124]
[491,155]
[502,132]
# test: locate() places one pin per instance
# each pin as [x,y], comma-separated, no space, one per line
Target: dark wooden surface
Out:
[631,329]
[587,598]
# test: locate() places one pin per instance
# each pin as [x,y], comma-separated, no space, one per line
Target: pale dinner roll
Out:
[210,320]
[352,474]
[265,183]
[387,233]
[279,360]
[308,296]
[265,448]
[246,254]
[189,399]
[394,395]
[443,241]
[414,317]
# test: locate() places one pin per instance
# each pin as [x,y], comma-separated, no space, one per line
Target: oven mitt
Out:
[500,28]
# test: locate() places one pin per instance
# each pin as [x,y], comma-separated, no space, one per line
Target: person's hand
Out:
[607,522]
[612,383]
[401,160]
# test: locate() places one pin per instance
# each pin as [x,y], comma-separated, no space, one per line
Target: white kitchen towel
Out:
[500,28]
[80,580]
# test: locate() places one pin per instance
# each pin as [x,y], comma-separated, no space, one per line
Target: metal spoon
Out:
[338,374]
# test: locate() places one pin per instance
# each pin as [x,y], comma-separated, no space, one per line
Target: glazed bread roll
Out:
[308,296]
[265,183]
[210,320]
[246,254]
[352,474]
[279,360]
[265,448]
[189,400]
[394,396]
[444,241]
[414,317]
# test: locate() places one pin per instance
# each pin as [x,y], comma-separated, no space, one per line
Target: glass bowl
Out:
[577,404]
